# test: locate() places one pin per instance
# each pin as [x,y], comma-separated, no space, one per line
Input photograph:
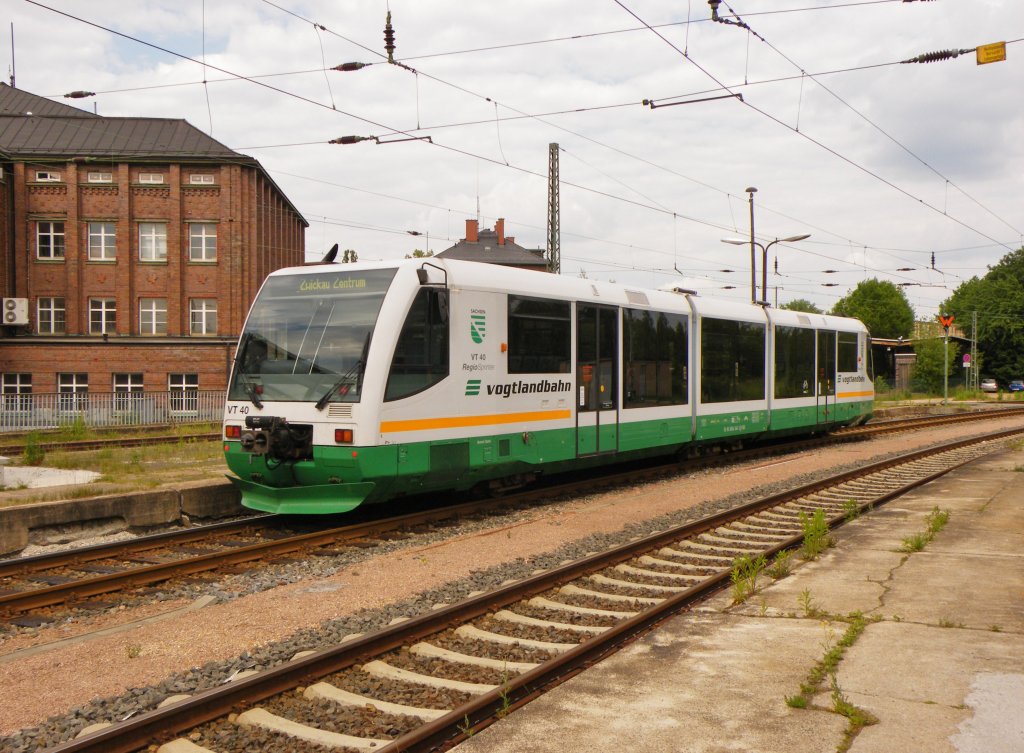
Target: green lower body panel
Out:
[303,500]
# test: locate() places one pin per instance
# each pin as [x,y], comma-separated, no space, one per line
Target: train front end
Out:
[298,423]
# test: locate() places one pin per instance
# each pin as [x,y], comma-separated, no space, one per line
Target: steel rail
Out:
[14,603]
[159,724]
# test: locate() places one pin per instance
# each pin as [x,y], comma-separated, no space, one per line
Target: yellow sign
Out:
[991,53]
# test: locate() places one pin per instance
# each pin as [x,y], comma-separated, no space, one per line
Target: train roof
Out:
[530,282]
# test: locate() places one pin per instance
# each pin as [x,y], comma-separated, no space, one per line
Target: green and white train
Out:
[359,383]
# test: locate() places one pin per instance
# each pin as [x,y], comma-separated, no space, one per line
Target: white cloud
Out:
[664,185]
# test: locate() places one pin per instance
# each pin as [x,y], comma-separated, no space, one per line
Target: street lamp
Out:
[764,258]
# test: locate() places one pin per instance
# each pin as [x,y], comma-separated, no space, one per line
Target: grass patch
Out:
[745,572]
[936,521]
[816,535]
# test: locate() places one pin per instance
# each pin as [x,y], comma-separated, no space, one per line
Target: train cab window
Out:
[539,336]
[655,356]
[794,362]
[421,355]
[732,361]
[846,356]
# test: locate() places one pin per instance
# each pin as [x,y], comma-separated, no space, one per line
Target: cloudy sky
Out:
[883,164]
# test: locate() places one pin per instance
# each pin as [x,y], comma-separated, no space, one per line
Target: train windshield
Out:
[307,337]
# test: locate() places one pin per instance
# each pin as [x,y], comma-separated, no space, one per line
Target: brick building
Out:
[130,250]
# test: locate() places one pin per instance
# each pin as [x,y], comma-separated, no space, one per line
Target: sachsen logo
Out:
[477,325]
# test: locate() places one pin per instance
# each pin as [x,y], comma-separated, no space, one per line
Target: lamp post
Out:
[764,257]
[753,274]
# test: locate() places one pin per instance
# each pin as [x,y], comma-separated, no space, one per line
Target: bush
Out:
[33,454]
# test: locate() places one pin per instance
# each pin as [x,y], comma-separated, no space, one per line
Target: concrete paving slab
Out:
[934,670]
[31,477]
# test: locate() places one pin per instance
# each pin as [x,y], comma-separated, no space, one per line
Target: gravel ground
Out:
[263,618]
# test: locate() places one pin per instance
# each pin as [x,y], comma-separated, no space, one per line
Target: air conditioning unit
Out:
[15,311]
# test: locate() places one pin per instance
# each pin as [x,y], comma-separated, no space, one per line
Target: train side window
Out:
[421,355]
[846,357]
[655,357]
[794,362]
[732,361]
[539,336]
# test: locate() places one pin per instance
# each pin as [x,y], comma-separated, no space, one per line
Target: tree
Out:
[881,306]
[349,256]
[419,253]
[801,304]
[927,374]
[998,299]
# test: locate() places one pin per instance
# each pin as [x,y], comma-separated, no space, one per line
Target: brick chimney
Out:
[472,231]
[499,230]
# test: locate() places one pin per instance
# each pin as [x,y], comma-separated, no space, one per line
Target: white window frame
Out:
[73,389]
[202,316]
[153,241]
[17,391]
[100,177]
[53,232]
[151,178]
[128,389]
[51,315]
[184,393]
[202,241]
[47,176]
[152,316]
[102,241]
[102,316]
[204,179]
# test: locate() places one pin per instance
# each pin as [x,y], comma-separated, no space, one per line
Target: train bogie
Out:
[359,383]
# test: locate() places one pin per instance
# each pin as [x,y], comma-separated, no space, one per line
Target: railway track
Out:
[434,679]
[38,590]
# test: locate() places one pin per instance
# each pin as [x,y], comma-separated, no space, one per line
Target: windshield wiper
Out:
[348,376]
[250,389]
[353,375]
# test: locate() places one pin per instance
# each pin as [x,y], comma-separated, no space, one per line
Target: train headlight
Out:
[343,436]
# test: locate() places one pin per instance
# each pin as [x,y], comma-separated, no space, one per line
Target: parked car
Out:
[1017,385]
[989,385]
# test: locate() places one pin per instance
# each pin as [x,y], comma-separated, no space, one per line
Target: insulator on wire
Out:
[80,94]
[351,139]
[932,57]
[350,66]
[389,39]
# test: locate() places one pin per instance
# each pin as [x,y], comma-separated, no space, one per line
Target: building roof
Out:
[488,250]
[36,128]
[56,130]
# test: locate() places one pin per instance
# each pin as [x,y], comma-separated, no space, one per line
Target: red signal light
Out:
[233,432]
[343,436]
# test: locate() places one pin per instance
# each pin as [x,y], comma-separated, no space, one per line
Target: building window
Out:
[47,176]
[152,241]
[102,316]
[202,241]
[203,316]
[151,177]
[201,179]
[102,241]
[50,316]
[17,391]
[127,391]
[74,391]
[50,240]
[152,316]
[100,177]
[184,389]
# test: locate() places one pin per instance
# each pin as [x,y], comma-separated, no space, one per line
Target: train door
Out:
[826,376]
[597,368]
